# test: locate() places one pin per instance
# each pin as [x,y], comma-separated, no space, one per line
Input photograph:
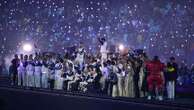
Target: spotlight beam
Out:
[27,47]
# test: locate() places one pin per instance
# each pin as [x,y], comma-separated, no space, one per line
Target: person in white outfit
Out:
[22,71]
[37,72]
[121,77]
[30,72]
[104,78]
[80,56]
[69,73]
[58,75]
[115,86]
[45,73]
[129,84]
[103,50]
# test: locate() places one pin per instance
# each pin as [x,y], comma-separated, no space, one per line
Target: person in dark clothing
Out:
[171,76]
[144,87]
[96,86]
[51,66]
[113,79]
[137,67]
[91,78]
[13,69]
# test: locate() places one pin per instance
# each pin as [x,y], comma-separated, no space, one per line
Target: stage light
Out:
[121,47]
[27,47]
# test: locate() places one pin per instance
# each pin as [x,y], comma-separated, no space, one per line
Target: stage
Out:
[12,98]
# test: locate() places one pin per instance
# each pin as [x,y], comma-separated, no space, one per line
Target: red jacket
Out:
[155,67]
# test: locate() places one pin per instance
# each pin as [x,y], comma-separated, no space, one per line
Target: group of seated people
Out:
[120,75]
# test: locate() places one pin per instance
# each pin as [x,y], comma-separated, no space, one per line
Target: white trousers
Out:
[44,80]
[115,91]
[129,87]
[69,86]
[103,57]
[102,82]
[80,61]
[30,79]
[21,79]
[171,89]
[58,82]
[121,88]
[37,80]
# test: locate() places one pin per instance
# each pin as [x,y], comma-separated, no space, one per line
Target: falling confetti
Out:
[163,28]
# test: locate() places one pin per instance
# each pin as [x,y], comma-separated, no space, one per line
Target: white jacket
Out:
[30,68]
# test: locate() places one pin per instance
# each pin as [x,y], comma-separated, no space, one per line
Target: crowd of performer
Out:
[112,74]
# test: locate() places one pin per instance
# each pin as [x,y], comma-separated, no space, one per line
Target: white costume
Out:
[45,75]
[21,74]
[115,87]
[129,84]
[103,51]
[140,83]
[80,57]
[76,78]
[104,77]
[37,74]
[58,76]
[171,89]
[121,77]
[30,74]
[83,83]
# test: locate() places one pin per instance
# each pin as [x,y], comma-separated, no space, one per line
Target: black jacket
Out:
[171,73]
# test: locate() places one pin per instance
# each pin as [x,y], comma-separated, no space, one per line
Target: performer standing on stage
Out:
[80,56]
[45,72]
[13,70]
[51,67]
[25,64]
[103,49]
[129,82]
[121,76]
[58,74]
[171,76]
[155,77]
[37,73]
[30,72]
[21,71]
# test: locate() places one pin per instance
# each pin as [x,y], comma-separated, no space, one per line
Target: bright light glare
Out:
[27,47]
[121,47]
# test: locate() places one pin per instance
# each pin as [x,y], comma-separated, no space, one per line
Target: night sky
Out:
[161,27]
